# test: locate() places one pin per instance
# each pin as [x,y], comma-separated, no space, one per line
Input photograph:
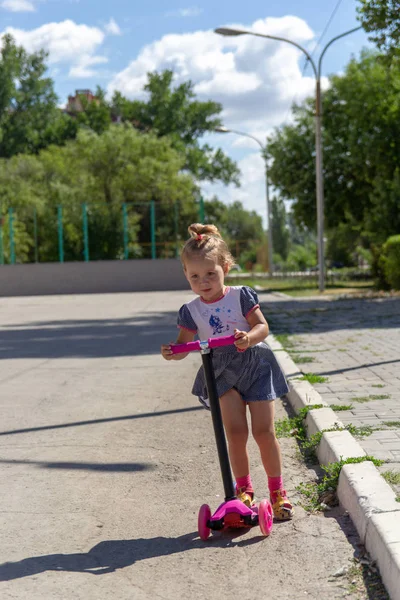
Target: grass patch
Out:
[318,495]
[392,423]
[295,426]
[397,498]
[370,398]
[378,385]
[392,477]
[313,378]
[341,407]
[363,431]
[283,339]
[303,359]
[324,491]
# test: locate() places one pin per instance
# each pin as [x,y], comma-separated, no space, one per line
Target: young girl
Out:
[247,373]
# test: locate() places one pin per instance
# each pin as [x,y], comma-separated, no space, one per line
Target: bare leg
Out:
[233,410]
[262,425]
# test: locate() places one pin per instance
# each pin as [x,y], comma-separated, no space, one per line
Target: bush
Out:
[390,260]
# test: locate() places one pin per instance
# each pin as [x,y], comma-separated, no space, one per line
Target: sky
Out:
[114,44]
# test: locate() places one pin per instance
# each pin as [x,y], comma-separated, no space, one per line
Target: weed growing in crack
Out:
[313,378]
[391,477]
[323,492]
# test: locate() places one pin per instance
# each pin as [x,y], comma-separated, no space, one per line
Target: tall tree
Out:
[381,18]
[29,117]
[280,231]
[175,112]
[361,140]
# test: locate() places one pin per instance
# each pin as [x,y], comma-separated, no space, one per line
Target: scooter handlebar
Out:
[218,342]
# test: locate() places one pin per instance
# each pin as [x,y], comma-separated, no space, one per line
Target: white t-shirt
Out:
[222,317]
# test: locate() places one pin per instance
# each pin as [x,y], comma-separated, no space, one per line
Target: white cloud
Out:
[82,69]
[18,5]
[66,42]
[254,79]
[112,27]
[193,11]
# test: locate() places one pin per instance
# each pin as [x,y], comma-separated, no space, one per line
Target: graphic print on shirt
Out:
[216,324]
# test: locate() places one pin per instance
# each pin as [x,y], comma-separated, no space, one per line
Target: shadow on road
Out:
[82,466]
[161,413]
[108,556]
[139,335]
[305,315]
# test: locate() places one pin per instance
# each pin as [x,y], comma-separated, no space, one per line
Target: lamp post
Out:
[222,129]
[227,31]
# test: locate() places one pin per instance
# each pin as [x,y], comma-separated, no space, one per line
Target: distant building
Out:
[74,104]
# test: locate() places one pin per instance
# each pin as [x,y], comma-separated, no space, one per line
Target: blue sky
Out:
[114,44]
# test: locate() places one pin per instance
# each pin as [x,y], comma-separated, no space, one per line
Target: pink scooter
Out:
[232,512]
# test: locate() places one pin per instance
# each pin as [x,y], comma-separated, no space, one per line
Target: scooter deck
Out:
[233,514]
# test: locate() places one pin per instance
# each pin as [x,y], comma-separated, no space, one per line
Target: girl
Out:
[247,374]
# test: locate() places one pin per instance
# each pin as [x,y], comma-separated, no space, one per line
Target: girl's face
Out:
[206,277]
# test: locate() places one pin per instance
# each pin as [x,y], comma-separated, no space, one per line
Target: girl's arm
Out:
[258,332]
[184,337]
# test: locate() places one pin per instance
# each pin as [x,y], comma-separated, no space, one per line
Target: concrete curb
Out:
[362,491]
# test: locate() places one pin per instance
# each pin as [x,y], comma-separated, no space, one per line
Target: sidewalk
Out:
[355,345]
[105,459]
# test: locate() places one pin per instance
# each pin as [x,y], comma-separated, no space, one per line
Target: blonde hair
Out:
[204,240]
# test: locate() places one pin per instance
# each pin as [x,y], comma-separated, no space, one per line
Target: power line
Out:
[339,2]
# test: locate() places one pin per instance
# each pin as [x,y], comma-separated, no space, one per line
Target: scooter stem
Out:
[218,426]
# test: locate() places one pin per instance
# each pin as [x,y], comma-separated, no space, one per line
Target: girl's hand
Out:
[167,352]
[243,340]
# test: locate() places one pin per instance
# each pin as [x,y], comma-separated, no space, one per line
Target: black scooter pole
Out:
[220,439]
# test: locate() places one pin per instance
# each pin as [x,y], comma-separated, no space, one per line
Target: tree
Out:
[241,228]
[381,18]
[280,231]
[96,115]
[361,140]
[29,117]
[104,172]
[175,112]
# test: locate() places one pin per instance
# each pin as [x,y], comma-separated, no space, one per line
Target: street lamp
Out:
[222,129]
[227,31]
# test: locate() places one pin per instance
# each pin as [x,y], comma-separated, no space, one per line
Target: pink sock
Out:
[244,482]
[275,484]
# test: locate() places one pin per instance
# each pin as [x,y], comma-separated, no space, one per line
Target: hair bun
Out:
[196,229]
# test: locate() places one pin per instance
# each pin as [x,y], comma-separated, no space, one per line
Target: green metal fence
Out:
[99,231]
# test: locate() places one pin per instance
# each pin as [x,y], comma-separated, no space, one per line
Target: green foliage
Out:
[241,228]
[104,171]
[29,117]
[280,231]
[362,399]
[315,493]
[174,112]
[361,140]
[95,115]
[301,258]
[392,477]
[381,19]
[391,261]
[313,378]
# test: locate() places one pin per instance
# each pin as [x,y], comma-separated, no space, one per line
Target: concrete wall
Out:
[92,277]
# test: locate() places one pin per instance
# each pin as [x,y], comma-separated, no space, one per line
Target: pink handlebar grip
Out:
[226,340]
[182,348]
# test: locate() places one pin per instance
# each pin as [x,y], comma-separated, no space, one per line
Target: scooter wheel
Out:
[204,517]
[265,517]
